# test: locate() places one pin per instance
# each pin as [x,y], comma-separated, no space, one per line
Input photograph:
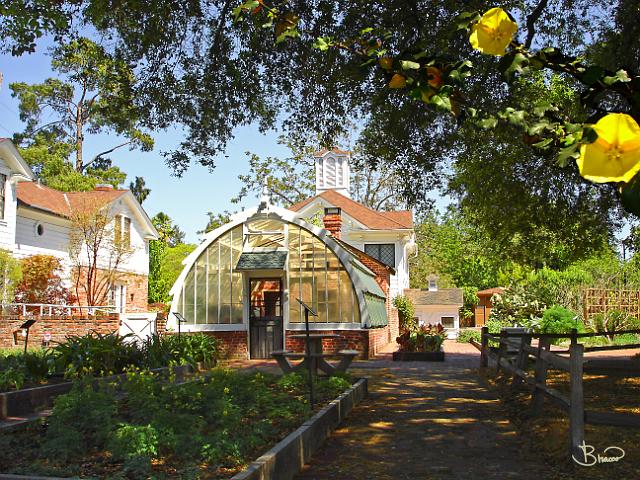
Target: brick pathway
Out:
[423,420]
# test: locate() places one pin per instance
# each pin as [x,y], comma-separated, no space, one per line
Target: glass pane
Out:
[346,301]
[189,298]
[307,290]
[213,282]
[265,233]
[320,279]
[294,274]
[225,278]
[236,279]
[201,289]
[333,272]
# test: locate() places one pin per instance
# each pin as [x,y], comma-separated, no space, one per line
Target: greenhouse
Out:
[244,280]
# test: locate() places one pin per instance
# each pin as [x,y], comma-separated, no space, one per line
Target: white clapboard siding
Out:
[8,220]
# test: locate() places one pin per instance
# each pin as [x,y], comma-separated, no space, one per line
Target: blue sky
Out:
[186,199]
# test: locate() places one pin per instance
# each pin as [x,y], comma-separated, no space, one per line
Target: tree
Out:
[158,285]
[94,93]
[169,232]
[10,275]
[139,189]
[41,282]
[311,65]
[292,179]
[216,220]
[97,248]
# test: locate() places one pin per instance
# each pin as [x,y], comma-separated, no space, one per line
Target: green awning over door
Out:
[262,261]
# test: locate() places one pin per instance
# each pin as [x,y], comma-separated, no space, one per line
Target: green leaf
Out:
[538,128]
[589,135]
[409,65]
[322,43]
[567,154]
[488,123]
[620,76]
[544,143]
[630,196]
[518,65]
[441,101]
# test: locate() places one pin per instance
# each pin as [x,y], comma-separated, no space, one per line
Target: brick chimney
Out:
[104,187]
[333,220]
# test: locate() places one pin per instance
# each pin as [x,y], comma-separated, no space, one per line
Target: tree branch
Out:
[531,21]
[104,153]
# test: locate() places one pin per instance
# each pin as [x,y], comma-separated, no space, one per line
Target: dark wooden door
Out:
[265,317]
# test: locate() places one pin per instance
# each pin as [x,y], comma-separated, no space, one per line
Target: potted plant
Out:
[421,343]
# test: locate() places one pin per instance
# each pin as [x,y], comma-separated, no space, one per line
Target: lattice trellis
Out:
[602,300]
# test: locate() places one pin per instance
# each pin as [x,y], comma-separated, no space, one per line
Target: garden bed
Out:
[208,428]
[418,356]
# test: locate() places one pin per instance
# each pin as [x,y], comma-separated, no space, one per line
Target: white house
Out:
[435,306]
[387,236]
[35,219]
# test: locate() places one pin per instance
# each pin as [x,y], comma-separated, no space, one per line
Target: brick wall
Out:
[233,344]
[136,291]
[59,327]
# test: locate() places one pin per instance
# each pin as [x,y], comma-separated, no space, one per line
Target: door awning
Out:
[262,261]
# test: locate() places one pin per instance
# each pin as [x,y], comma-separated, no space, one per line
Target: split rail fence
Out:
[514,351]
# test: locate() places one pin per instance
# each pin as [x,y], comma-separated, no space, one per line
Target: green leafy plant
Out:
[466,335]
[613,321]
[406,313]
[557,319]
[426,338]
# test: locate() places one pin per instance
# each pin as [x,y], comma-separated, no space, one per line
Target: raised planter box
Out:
[418,356]
[287,457]
[23,402]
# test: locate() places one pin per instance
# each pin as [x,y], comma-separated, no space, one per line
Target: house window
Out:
[122,231]
[3,181]
[447,322]
[384,252]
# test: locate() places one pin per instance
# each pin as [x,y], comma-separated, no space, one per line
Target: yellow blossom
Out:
[493,33]
[615,155]
[397,81]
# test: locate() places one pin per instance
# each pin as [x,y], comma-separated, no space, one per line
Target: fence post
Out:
[521,361]
[484,351]
[502,349]
[537,399]
[576,409]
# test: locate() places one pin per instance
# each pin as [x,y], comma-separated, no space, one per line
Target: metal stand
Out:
[308,359]
[180,320]
[25,328]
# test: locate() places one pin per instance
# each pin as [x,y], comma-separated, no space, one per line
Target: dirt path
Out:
[423,421]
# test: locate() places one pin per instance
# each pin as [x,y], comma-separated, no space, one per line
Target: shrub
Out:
[517,307]
[613,321]
[406,313]
[81,421]
[465,336]
[41,281]
[177,350]
[558,319]
[134,441]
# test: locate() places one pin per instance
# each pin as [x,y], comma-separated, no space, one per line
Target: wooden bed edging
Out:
[288,456]
[22,402]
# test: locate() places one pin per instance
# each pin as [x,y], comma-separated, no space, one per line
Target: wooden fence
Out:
[513,353]
[603,300]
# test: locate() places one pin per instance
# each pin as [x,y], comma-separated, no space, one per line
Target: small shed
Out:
[483,308]
[437,306]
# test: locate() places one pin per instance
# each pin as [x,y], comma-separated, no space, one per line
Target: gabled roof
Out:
[62,204]
[445,296]
[14,160]
[337,151]
[399,220]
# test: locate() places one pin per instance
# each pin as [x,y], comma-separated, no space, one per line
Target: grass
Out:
[210,428]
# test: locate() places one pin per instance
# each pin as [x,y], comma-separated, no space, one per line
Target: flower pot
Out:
[418,356]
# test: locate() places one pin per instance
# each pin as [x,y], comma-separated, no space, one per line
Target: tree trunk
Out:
[79,137]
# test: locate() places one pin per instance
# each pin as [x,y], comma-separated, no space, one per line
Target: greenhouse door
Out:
[265,317]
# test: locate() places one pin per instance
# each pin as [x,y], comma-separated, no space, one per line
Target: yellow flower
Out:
[493,33]
[615,155]
[397,81]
